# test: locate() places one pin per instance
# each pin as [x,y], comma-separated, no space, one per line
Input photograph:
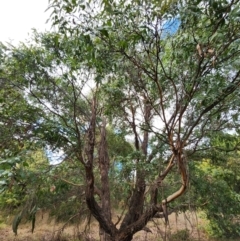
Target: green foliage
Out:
[218,194]
[24,180]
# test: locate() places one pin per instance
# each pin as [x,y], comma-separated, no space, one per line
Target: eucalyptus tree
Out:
[172,88]
[164,75]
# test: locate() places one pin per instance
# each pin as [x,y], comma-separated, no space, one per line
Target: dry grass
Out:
[178,224]
[48,230]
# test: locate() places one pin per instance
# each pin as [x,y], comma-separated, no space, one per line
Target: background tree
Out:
[218,166]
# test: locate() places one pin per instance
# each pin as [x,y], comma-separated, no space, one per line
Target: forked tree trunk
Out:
[104,236]
[136,218]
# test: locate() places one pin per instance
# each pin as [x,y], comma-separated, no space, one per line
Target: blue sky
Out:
[171,26]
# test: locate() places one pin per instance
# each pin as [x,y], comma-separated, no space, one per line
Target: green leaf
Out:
[16,222]
[33,222]
[104,32]
[33,216]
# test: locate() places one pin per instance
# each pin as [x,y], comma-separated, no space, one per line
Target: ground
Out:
[48,230]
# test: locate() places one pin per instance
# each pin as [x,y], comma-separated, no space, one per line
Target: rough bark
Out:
[137,200]
[104,169]
[98,212]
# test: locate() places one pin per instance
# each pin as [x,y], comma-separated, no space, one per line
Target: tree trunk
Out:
[137,199]
[104,236]
[102,214]
[104,169]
